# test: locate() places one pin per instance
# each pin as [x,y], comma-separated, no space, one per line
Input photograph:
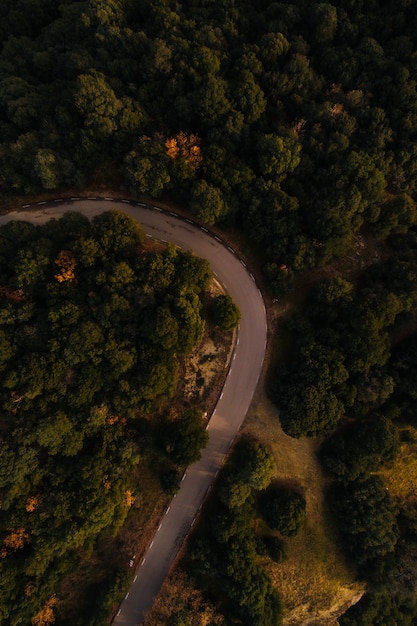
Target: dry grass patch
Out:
[400,478]
[316,584]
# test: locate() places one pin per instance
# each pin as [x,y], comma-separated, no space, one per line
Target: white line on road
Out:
[167,511]
[135,578]
[127,595]
[151,544]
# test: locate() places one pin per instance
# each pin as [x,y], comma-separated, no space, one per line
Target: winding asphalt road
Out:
[236,395]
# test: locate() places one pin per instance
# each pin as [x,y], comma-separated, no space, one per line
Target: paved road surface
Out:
[233,403]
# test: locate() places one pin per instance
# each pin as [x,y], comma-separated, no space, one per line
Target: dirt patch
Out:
[204,371]
[204,368]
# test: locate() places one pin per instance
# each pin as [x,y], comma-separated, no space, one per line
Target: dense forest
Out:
[92,329]
[294,123]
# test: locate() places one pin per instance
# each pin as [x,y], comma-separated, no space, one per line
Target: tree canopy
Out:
[91,327]
[293,123]
[238,112]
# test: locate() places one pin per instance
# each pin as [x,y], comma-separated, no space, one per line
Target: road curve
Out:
[236,395]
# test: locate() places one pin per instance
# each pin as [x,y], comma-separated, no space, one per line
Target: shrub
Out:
[276,548]
[283,510]
[224,313]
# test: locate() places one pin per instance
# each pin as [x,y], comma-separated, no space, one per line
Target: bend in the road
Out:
[236,395]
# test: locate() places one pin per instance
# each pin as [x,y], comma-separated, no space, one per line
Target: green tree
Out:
[324,18]
[253,463]
[46,168]
[207,202]
[147,174]
[97,103]
[117,234]
[187,310]
[309,390]
[361,448]
[234,493]
[277,156]
[396,216]
[184,436]
[283,509]
[365,175]
[377,608]
[31,266]
[367,518]
[249,97]
[224,313]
